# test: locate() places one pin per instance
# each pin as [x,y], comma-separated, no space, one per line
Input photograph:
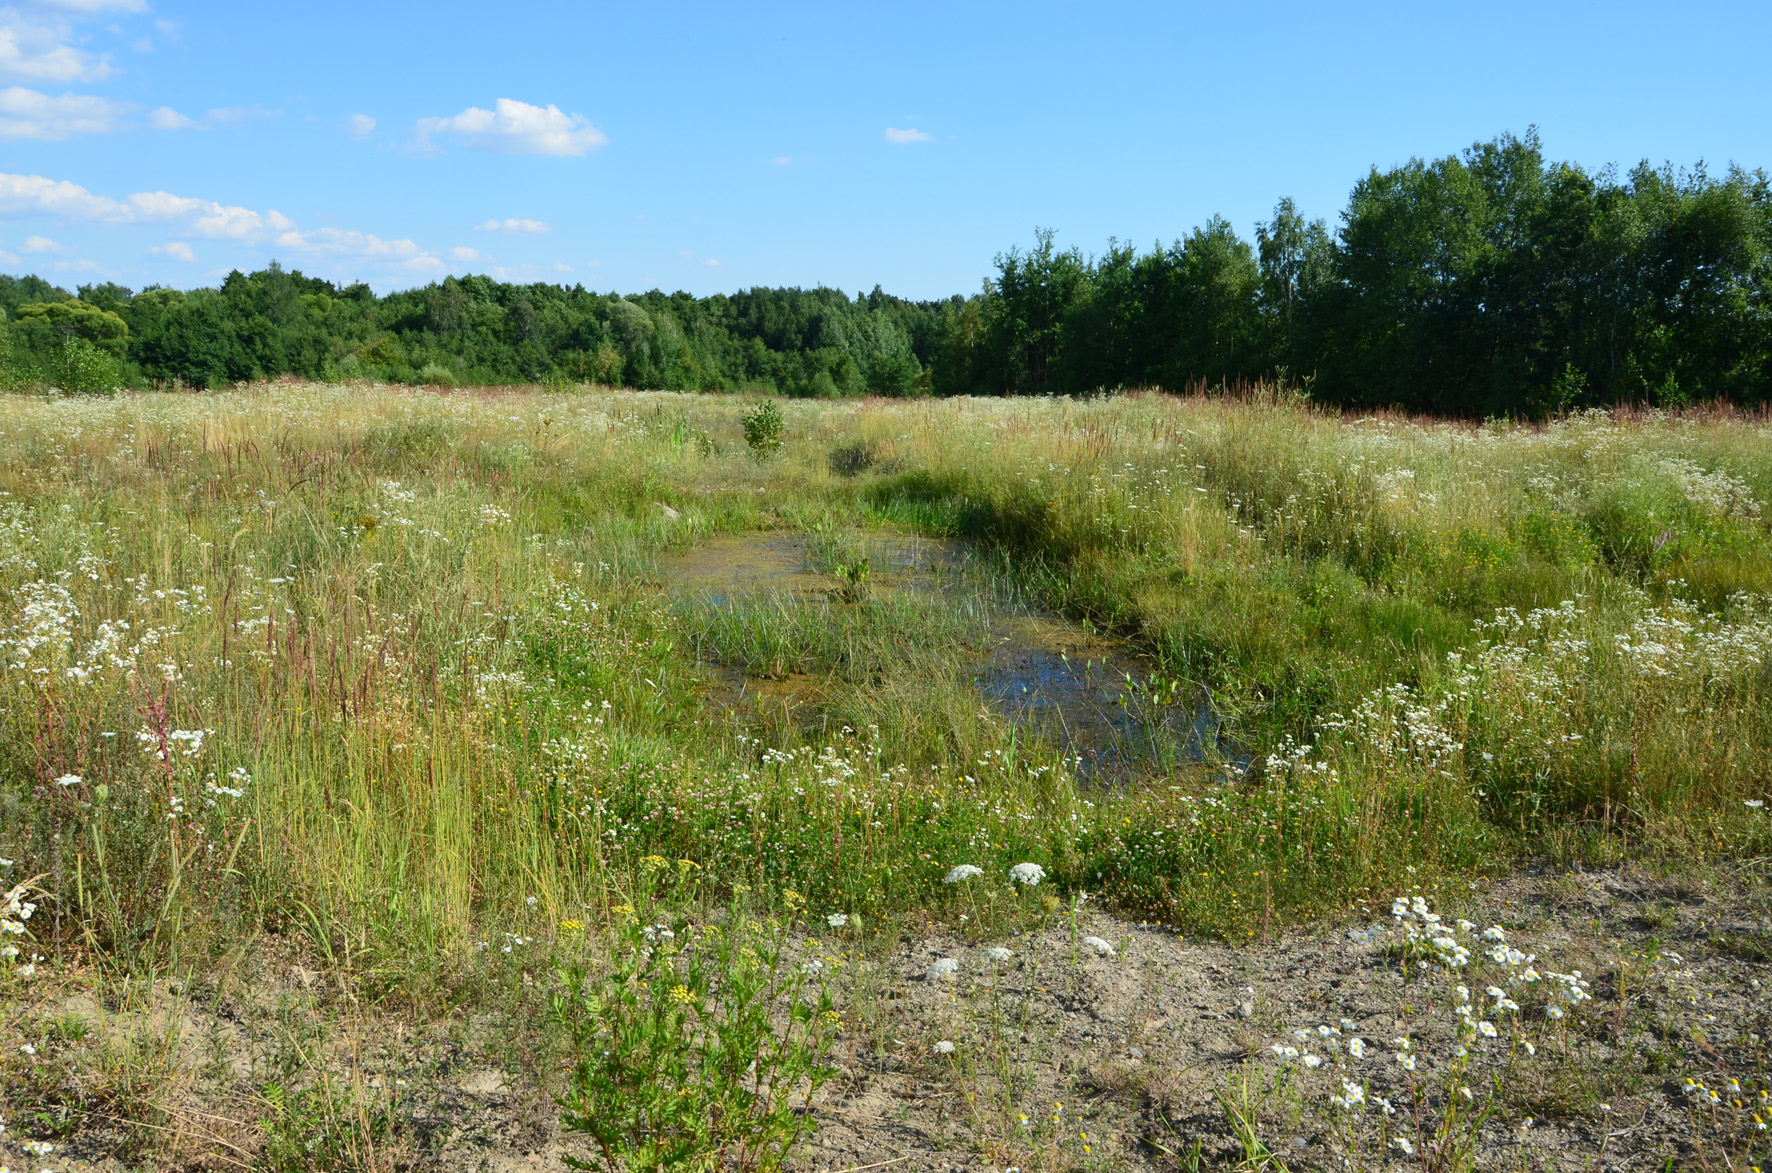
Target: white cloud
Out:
[94,7]
[7,258]
[206,217]
[711,263]
[27,114]
[41,52]
[462,252]
[912,135]
[358,124]
[782,160]
[41,244]
[227,114]
[27,195]
[562,267]
[336,242]
[80,266]
[142,45]
[166,118]
[527,227]
[517,128]
[24,195]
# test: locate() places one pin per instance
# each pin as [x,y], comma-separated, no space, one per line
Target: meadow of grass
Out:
[399,677]
[424,639]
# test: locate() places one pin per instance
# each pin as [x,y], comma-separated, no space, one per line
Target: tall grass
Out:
[424,638]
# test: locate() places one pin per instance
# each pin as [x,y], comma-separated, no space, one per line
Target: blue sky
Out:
[712,147]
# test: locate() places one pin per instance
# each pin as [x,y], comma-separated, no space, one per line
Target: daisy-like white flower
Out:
[1403,1143]
[1357,1048]
[1486,1029]
[1405,1061]
[1312,1061]
[1495,933]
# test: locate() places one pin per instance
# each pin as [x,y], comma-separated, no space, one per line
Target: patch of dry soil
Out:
[1133,1049]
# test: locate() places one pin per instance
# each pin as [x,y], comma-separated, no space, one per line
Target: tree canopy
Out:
[1488,282]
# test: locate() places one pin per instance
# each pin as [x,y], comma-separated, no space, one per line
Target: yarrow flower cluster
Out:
[1442,1084]
[15,910]
[1422,926]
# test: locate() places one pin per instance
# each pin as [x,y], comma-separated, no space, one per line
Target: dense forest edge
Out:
[1492,282]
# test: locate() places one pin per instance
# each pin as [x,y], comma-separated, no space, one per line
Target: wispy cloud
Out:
[37,50]
[95,7]
[358,125]
[526,227]
[232,114]
[27,114]
[910,135]
[34,194]
[462,252]
[337,242]
[26,195]
[166,118]
[711,263]
[516,128]
[782,160]
[178,250]
[41,244]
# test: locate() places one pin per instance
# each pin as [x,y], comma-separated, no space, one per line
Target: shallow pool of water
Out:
[1081,690]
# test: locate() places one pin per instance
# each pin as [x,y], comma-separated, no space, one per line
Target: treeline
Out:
[1491,282]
